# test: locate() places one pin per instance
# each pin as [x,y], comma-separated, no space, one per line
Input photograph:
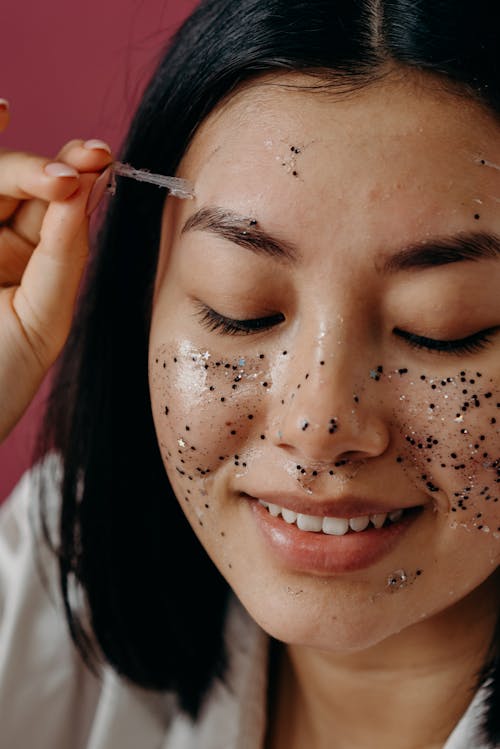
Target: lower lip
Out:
[320,553]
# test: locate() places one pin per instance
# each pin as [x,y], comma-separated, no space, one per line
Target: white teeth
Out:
[359,524]
[395,515]
[335,526]
[289,515]
[378,519]
[329,525]
[312,523]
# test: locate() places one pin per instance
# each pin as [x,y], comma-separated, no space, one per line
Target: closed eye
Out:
[216,322]
[469,345]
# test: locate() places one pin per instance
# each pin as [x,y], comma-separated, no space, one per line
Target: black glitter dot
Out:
[233,431]
[167,410]
[477,216]
[261,356]
[263,436]
[285,353]
[250,416]
[222,400]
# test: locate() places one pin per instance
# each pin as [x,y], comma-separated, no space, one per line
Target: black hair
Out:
[157,603]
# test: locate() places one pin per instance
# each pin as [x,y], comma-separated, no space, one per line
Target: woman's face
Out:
[326,339]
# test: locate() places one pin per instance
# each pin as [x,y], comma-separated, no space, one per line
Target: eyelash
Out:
[227,326]
[470,345]
[215,322]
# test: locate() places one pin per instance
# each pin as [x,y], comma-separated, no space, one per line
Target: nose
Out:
[324,418]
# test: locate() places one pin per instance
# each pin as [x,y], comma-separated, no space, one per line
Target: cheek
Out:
[450,442]
[206,410]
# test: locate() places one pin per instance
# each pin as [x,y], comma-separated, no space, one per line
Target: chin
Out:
[295,619]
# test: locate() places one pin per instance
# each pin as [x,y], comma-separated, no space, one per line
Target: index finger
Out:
[24,176]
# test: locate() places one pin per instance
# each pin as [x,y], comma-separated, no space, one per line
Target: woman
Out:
[301,366]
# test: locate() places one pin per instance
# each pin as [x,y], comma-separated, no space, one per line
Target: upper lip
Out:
[340,507]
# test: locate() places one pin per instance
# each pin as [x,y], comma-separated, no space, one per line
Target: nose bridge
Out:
[329,408]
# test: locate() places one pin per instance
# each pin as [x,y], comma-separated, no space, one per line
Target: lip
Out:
[321,554]
[345,507]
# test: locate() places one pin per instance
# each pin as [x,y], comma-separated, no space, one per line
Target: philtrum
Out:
[179,188]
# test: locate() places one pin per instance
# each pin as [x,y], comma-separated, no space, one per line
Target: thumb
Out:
[45,300]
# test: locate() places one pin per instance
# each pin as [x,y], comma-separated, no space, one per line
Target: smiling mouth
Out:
[334,526]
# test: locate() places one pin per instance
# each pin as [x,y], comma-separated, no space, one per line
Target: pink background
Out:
[73,70]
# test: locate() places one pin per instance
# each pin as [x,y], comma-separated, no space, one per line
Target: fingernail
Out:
[98,191]
[4,104]
[58,169]
[95,144]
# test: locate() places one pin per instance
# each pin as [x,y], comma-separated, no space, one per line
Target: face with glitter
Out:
[326,339]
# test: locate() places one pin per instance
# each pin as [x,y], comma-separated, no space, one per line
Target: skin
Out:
[43,255]
[394,164]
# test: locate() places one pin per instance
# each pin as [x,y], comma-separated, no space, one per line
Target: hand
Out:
[43,253]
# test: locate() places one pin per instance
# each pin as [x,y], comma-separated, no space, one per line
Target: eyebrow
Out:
[243,231]
[432,252]
[443,250]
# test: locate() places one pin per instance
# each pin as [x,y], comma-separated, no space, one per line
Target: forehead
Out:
[391,164]
[380,138]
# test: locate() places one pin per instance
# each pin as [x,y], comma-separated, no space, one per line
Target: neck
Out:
[406,692]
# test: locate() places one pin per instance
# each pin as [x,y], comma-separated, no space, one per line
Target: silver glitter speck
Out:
[396,580]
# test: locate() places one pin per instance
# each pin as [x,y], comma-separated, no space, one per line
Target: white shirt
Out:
[50,700]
